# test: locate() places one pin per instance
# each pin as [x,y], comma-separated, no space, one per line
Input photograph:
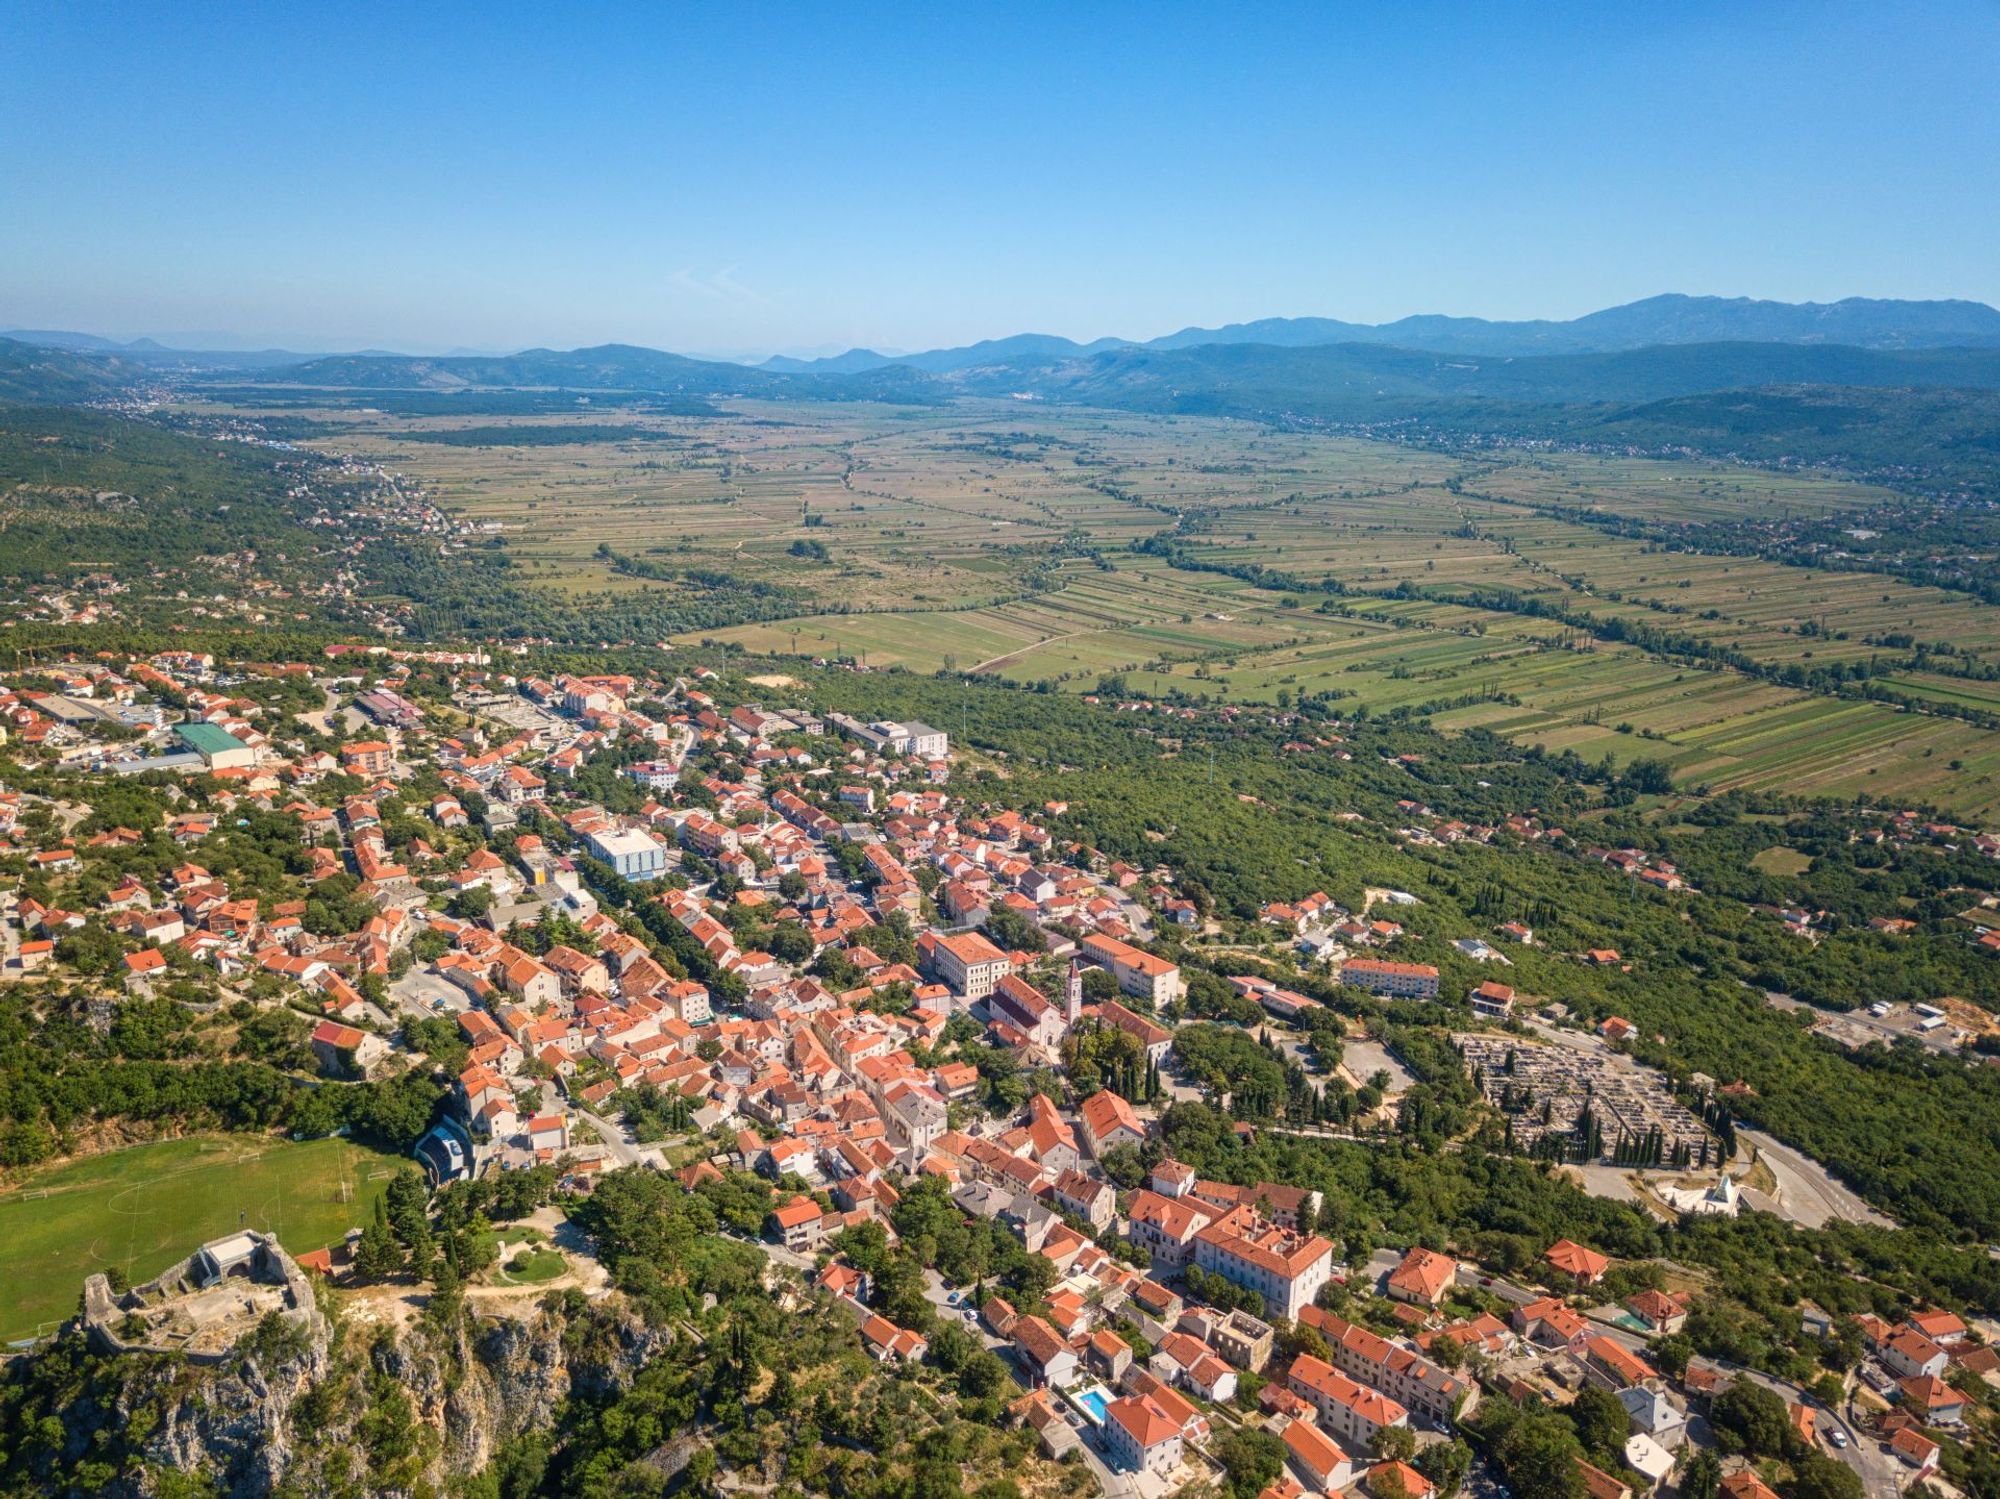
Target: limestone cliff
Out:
[327,1407]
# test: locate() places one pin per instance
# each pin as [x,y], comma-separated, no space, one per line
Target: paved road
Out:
[1111,1482]
[1506,1290]
[625,1151]
[1880,1473]
[1133,914]
[776,1253]
[1807,1192]
[620,1148]
[938,1294]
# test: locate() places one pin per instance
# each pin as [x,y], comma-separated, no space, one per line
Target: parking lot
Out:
[420,992]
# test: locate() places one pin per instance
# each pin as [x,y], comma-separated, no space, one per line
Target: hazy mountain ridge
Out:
[1254,378]
[152,352]
[1673,318]
[949,361]
[41,375]
[1859,322]
[605,367]
[1724,398]
[1200,377]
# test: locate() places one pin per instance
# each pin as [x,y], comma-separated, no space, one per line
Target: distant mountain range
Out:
[39,375]
[1658,349]
[606,367]
[949,361]
[1915,397]
[1863,322]
[1350,381]
[1859,322]
[149,351]
[1336,381]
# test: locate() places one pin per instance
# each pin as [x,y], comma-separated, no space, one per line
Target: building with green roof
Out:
[219,749]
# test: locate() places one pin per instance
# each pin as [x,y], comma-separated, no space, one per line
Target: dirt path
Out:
[1016,654]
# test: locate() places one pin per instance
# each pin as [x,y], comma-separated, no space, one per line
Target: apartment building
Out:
[1391,980]
[1139,973]
[1349,1412]
[1402,1374]
[965,962]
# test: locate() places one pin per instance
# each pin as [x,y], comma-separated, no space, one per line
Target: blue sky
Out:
[745,178]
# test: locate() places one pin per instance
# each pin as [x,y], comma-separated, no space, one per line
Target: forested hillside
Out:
[84,491]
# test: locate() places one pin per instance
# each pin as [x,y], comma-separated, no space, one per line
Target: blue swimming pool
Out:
[1094,1400]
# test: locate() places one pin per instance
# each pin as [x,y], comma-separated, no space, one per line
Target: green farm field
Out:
[1002,538]
[141,1209]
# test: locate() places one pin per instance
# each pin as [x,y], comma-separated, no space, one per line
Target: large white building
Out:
[1283,1266]
[964,962]
[633,855]
[887,737]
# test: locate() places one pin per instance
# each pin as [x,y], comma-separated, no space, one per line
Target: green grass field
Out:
[531,1267]
[143,1208]
[1780,860]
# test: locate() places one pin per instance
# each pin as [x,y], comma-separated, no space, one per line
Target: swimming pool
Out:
[1094,1400]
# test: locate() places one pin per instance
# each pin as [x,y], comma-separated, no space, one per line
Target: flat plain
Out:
[1024,541]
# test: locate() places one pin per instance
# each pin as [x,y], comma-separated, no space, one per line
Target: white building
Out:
[1140,1436]
[632,855]
[1286,1268]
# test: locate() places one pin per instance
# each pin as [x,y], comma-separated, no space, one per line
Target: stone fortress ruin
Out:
[202,1306]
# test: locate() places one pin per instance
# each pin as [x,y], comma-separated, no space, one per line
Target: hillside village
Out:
[760,964]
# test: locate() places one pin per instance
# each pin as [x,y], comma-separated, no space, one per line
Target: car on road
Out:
[1837,1437]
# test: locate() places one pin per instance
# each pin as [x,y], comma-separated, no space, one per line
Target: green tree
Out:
[1817,1476]
[378,1255]
[1601,1424]
[1538,1454]
[1701,1475]
[1250,1459]
[1445,1464]
[1396,1443]
[1751,1419]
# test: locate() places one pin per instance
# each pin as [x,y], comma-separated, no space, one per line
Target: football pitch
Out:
[143,1208]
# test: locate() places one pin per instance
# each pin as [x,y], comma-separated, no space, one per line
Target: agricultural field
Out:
[139,1210]
[1091,621]
[1690,494]
[1000,538]
[1768,611]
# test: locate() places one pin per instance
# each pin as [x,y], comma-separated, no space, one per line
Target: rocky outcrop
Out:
[237,1421]
[288,1409]
[503,1376]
